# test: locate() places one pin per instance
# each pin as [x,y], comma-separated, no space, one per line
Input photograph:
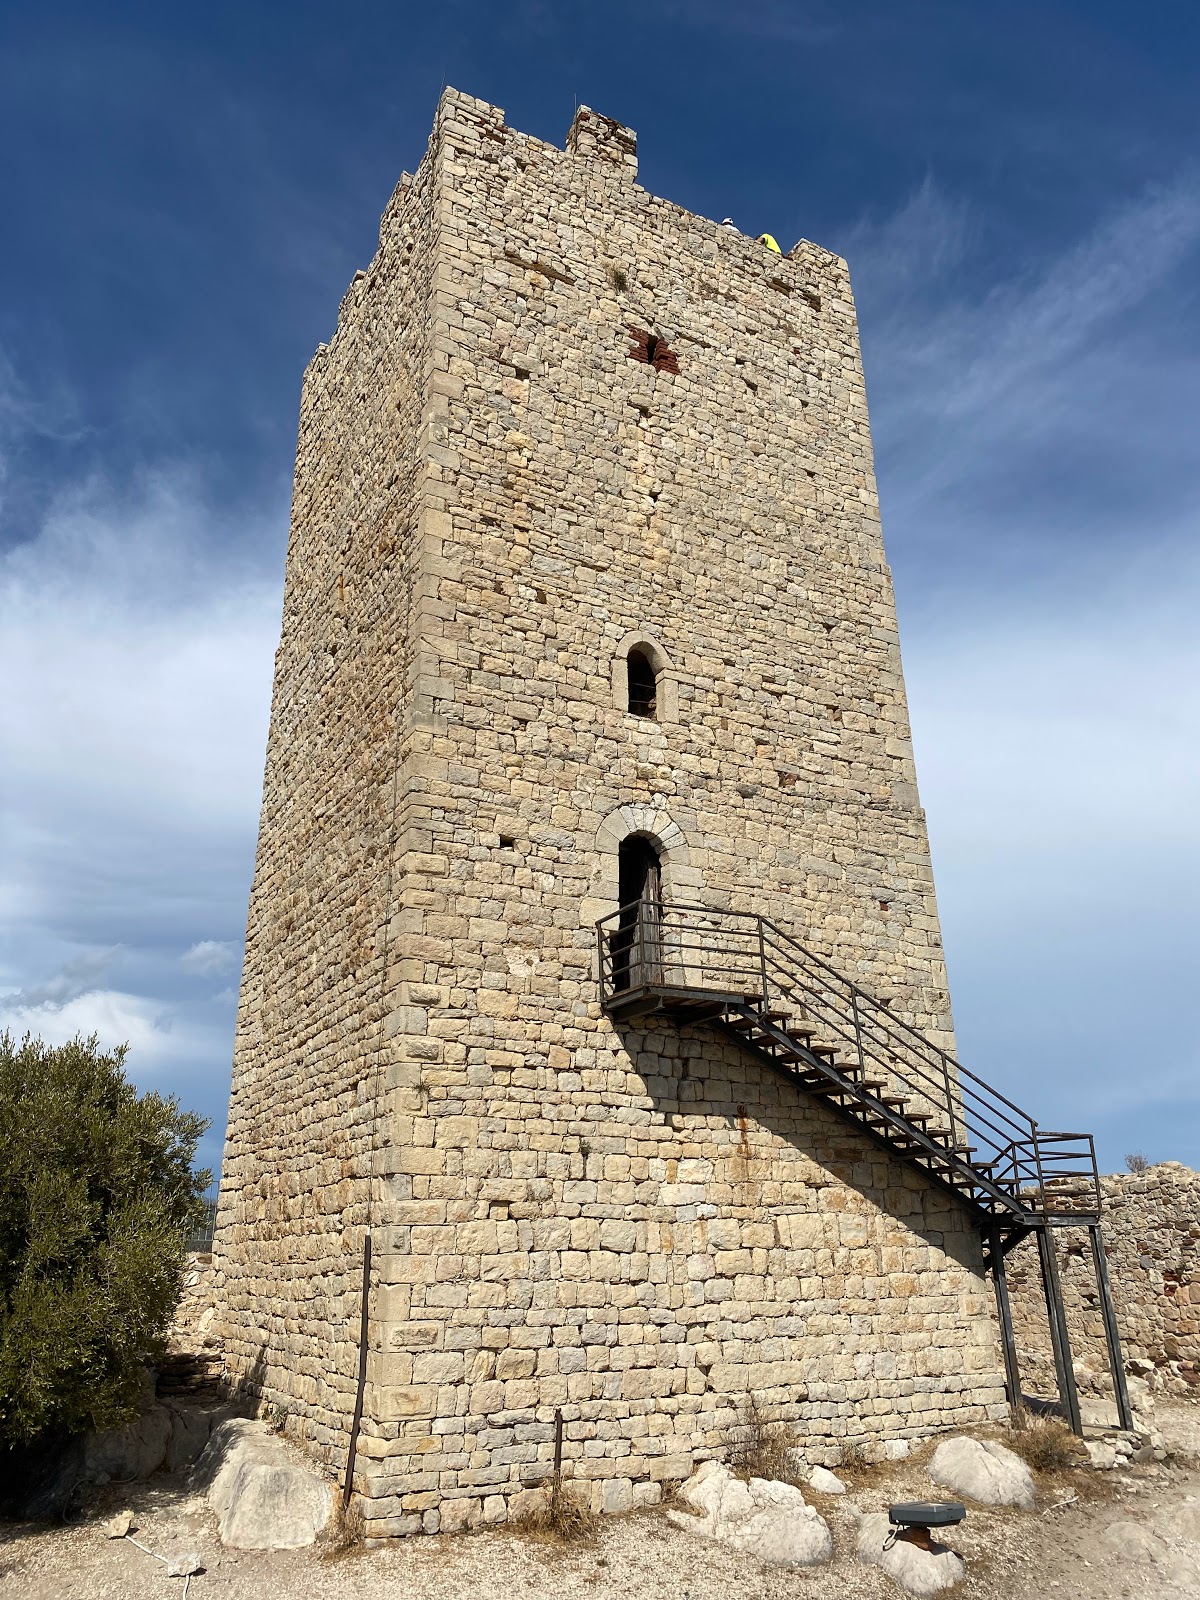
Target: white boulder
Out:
[825,1482]
[984,1471]
[263,1496]
[766,1519]
[920,1572]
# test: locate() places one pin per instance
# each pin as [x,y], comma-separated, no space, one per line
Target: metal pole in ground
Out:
[1008,1344]
[1059,1340]
[1112,1334]
[556,1480]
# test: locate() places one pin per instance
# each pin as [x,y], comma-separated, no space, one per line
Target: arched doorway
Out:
[637,943]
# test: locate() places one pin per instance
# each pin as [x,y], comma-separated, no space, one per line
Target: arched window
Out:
[643,679]
[643,683]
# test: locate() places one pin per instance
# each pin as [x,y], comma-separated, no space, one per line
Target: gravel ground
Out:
[1062,1550]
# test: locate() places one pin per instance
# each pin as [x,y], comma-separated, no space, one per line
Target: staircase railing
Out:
[740,959]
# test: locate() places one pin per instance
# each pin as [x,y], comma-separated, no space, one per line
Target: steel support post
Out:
[1012,1373]
[1112,1335]
[1059,1340]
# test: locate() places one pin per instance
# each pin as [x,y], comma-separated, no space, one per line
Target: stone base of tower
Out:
[665,1256]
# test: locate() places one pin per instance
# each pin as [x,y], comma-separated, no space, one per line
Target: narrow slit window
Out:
[643,684]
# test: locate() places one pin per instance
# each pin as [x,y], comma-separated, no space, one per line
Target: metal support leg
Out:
[1112,1335]
[1012,1374]
[1059,1340]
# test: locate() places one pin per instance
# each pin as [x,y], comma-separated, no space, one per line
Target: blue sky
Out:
[186,194]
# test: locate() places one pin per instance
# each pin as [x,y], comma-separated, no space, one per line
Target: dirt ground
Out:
[1131,1533]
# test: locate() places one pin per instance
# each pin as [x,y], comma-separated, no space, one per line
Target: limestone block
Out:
[919,1572]
[984,1471]
[134,1450]
[263,1496]
[768,1520]
[190,1428]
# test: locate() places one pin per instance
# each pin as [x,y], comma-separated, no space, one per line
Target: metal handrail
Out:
[749,962]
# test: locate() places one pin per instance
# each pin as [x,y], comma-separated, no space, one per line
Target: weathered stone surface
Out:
[263,1497]
[766,1519]
[920,1572]
[185,1565]
[826,1482]
[1185,1521]
[190,1428]
[982,1470]
[133,1451]
[117,1527]
[1152,1239]
[499,496]
[1132,1541]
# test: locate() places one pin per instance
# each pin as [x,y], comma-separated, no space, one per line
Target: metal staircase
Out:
[754,982]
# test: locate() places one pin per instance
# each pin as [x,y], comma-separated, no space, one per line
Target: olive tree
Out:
[97,1195]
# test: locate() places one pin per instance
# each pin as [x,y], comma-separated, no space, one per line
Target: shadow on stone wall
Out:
[809,1161]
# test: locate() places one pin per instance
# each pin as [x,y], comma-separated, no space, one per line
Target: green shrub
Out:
[97,1194]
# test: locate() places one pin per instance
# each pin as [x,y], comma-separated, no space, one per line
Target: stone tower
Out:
[585,584]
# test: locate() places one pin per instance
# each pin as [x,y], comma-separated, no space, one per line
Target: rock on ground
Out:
[190,1428]
[133,1451]
[920,1572]
[984,1471]
[825,1482]
[766,1519]
[264,1499]
[1186,1520]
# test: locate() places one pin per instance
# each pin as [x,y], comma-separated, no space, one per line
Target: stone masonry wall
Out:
[640,1226]
[298,1177]
[1152,1241]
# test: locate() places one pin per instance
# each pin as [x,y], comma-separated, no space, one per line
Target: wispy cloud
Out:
[75,978]
[1041,506]
[209,957]
[973,376]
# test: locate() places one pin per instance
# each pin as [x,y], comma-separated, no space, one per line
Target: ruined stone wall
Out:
[1152,1240]
[640,1226]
